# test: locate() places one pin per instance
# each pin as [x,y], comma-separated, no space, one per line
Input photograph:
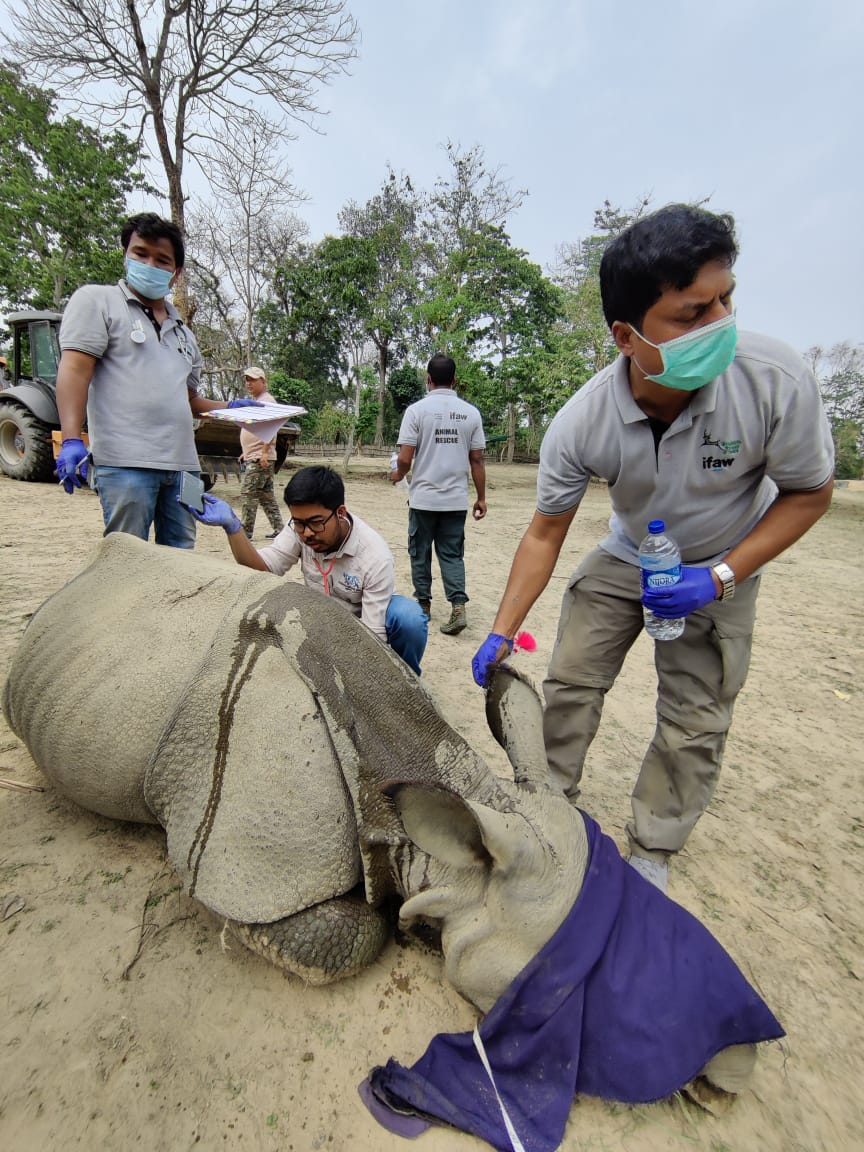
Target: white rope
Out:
[515,1142]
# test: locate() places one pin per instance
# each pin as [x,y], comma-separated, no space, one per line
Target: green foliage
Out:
[333,425]
[406,385]
[364,427]
[839,371]
[300,330]
[384,230]
[63,189]
[849,446]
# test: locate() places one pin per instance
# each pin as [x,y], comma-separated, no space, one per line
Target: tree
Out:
[298,331]
[238,238]
[583,343]
[388,225]
[406,385]
[472,197]
[63,189]
[509,308]
[174,70]
[840,373]
[469,200]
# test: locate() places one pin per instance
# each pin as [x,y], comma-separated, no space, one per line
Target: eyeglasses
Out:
[314,525]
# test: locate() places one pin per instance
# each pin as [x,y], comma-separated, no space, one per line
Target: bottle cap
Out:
[656,527]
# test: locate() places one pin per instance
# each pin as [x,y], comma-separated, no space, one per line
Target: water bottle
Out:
[660,561]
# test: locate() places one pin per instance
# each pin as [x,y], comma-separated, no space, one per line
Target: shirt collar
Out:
[704,400]
[173,314]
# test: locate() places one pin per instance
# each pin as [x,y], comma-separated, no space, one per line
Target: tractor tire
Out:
[25,444]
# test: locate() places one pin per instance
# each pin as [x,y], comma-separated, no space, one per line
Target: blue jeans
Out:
[446,531]
[134,498]
[407,630]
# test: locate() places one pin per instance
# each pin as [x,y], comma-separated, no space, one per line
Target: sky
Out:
[756,104]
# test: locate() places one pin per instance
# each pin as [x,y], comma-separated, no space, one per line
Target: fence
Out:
[495,450]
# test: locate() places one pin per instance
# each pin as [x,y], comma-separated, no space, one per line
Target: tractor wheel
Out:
[25,444]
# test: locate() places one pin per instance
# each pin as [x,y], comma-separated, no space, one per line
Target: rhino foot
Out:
[326,942]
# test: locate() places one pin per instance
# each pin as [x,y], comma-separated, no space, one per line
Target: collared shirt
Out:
[360,574]
[138,413]
[443,429]
[254,449]
[758,428]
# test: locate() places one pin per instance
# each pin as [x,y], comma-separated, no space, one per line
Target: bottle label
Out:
[657,580]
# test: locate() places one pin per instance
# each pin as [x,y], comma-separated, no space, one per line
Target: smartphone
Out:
[192,491]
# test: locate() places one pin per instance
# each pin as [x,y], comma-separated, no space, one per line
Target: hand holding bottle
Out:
[694,590]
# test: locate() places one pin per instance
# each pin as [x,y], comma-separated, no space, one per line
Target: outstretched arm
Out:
[529,574]
[531,569]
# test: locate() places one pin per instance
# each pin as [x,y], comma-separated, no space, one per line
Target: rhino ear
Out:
[455,831]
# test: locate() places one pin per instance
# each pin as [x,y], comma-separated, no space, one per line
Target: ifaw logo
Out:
[730,447]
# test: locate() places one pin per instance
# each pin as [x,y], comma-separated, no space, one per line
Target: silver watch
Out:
[727,579]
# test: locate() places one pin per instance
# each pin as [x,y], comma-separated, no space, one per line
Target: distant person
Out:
[259,457]
[130,363]
[720,434]
[339,555]
[443,436]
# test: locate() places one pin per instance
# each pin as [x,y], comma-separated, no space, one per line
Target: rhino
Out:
[302,774]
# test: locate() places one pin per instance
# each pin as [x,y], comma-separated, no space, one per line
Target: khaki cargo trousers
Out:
[699,676]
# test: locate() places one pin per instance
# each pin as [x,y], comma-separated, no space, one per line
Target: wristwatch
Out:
[727,579]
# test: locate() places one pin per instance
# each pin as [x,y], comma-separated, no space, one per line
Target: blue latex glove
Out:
[492,651]
[72,464]
[694,590]
[241,403]
[217,514]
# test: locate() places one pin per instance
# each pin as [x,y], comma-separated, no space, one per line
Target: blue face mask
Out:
[695,359]
[152,283]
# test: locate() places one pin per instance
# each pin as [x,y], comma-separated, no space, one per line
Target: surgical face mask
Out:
[695,359]
[152,283]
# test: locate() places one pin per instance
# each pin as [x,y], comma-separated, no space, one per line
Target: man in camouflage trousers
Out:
[258,456]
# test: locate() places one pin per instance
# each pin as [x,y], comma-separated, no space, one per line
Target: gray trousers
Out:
[446,531]
[699,676]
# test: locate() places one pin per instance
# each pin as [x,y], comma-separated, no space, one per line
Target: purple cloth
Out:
[629,1000]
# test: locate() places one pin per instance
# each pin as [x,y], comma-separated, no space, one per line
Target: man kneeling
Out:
[339,554]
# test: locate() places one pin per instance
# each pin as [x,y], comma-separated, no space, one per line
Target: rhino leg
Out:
[326,942]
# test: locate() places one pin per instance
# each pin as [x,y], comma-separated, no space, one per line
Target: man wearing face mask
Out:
[131,364]
[339,554]
[722,435]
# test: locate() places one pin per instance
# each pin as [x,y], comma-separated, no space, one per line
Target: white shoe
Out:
[656,872]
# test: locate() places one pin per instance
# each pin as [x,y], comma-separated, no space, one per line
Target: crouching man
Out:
[339,555]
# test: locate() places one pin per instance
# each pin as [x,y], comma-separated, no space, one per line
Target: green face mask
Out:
[695,359]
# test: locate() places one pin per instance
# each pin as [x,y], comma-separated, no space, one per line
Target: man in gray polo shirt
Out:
[720,434]
[443,436]
[130,362]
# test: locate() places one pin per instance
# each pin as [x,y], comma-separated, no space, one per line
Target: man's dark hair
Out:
[663,250]
[316,485]
[149,226]
[441,369]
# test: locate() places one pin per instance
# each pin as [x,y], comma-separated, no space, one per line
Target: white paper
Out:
[256,415]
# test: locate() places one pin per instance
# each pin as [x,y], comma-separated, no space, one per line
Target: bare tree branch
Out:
[179,68]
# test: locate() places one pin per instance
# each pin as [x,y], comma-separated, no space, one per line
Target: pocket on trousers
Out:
[412,542]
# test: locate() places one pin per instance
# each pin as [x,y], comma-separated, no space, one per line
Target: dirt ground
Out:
[126,1024]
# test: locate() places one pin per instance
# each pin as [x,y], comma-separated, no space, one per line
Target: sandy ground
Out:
[126,1025]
